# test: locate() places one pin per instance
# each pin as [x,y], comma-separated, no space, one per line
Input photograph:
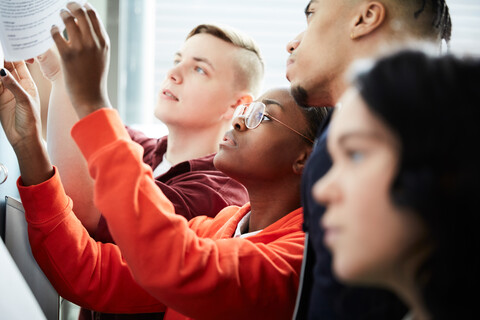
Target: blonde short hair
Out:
[250,67]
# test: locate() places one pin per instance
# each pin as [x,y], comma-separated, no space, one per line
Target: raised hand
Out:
[19,104]
[85,58]
[20,119]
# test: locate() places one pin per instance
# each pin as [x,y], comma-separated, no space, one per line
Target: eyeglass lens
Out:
[253,113]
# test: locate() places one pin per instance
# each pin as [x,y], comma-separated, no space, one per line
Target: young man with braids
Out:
[339,32]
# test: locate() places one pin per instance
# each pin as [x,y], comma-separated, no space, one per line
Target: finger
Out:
[60,42]
[49,64]
[97,25]
[11,84]
[19,70]
[11,67]
[83,23]
[73,32]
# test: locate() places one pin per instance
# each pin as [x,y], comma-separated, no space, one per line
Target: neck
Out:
[327,95]
[417,308]
[187,144]
[270,201]
[408,291]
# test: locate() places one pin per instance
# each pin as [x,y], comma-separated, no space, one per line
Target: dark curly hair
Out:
[433,105]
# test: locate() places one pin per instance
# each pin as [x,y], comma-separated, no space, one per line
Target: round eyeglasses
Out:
[254,113]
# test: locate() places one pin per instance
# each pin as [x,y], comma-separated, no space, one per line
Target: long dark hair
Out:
[433,105]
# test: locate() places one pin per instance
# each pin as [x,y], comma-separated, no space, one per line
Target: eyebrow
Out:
[360,134]
[198,59]
[307,8]
[272,101]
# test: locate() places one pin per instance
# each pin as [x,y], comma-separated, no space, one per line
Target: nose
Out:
[325,191]
[294,43]
[175,74]
[238,123]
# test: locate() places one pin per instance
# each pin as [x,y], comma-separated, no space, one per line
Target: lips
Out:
[331,230]
[228,140]
[330,236]
[169,95]
[290,61]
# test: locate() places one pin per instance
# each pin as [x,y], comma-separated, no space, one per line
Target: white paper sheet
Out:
[25,26]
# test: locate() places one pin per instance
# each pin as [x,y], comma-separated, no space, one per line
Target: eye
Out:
[200,70]
[356,156]
[309,14]
[176,61]
[266,117]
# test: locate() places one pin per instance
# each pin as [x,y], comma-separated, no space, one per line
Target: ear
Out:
[369,18]
[301,161]
[245,98]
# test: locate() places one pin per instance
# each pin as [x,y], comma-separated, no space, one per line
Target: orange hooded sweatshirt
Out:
[194,269]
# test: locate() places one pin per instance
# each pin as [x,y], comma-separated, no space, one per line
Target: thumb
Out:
[50,64]
[11,84]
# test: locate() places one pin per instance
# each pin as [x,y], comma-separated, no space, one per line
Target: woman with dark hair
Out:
[401,196]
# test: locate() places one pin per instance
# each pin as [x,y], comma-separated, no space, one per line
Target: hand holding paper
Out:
[25,27]
[85,58]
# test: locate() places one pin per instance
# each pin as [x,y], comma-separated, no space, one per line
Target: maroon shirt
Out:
[195,187]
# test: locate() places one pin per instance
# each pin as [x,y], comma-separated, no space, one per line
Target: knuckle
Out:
[69,19]
[77,10]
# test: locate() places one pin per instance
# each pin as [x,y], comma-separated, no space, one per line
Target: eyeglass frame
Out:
[4,171]
[245,107]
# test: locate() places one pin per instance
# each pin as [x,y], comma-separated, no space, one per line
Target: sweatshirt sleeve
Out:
[91,274]
[199,277]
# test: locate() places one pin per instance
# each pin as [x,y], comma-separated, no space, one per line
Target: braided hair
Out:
[441,21]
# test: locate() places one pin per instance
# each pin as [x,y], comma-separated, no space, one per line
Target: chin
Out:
[226,166]
[300,95]
[219,161]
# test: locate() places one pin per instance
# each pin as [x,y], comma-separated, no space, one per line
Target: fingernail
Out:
[64,13]
[3,73]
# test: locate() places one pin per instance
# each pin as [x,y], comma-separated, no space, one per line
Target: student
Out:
[217,69]
[338,33]
[401,194]
[243,263]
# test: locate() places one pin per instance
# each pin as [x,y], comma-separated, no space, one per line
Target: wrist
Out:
[34,163]
[29,147]
[84,109]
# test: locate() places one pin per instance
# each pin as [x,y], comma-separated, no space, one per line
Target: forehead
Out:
[282,96]
[354,116]
[289,111]
[205,45]
[325,4]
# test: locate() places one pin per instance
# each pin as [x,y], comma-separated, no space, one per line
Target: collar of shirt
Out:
[241,223]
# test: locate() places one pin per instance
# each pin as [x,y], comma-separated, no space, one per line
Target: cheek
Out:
[256,156]
[374,243]
[368,230]
[209,99]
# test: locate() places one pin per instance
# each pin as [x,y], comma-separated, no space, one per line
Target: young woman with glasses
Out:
[216,69]
[243,263]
